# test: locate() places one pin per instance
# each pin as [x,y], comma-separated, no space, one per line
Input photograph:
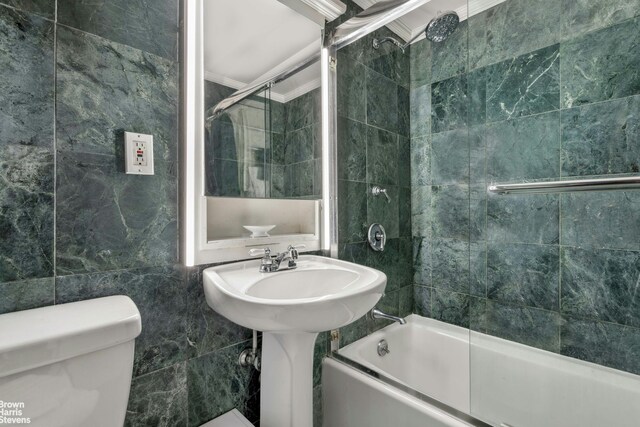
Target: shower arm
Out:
[378,42]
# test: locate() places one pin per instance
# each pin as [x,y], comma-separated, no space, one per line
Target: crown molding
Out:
[301,90]
[317,11]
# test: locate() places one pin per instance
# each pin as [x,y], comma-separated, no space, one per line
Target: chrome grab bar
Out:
[622,183]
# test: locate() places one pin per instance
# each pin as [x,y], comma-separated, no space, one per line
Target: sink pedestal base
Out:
[286,389]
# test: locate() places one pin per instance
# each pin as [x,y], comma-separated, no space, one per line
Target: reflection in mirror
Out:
[237,143]
[267,145]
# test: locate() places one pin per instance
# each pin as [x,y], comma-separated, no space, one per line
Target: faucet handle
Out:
[294,247]
[257,252]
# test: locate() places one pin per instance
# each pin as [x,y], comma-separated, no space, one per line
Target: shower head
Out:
[442,26]
[438,29]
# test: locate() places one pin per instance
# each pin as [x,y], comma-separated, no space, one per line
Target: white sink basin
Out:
[319,295]
[291,307]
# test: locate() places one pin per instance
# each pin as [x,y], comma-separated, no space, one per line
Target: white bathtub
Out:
[494,380]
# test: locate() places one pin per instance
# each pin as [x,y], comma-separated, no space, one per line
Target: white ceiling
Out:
[245,40]
[249,40]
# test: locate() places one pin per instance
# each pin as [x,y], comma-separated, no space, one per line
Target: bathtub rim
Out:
[408,390]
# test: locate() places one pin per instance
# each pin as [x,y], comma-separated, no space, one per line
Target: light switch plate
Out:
[138,149]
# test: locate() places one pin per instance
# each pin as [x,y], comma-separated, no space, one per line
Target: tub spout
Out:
[377,314]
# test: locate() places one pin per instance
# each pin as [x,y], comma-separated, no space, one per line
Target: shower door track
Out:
[410,391]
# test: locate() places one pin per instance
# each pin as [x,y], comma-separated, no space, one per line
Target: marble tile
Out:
[392,264]
[581,16]
[26,294]
[450,211]
[478,314]
[422,296]
[320,350]
[524,149]
[404,112]
[478,212]
[404,213]
[26,211]
[105,88]
[523,218]
[406,304]
[601,285]
[351,88]
[160,295]
[149,26]
[207,330]
[384,212]
[420,111]
[450,265]
[352,150]
[523,274]
[477,93]
[352,211]
[449,58]
[216,384]
[354,331]
[601,139]
[497,33]
[450,157]
[421,161]
[525,325]
[382,102]
[449,104]
[357,253]
[478,269]
[598,66]
[404,161]
[26,146]
[450,307]
[422,264]
[606,344]
[159,399]
[107,220]
[222,177]
[420,63]
[525,85]
[421,212]
[601,220]
[299,145]
[382,156]
[46,8]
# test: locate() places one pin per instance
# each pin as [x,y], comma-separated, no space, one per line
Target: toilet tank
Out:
[68,365]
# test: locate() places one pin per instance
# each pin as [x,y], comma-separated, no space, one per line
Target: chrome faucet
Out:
[271,264]
[377,314]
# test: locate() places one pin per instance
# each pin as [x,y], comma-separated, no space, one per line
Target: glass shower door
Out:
[554,308]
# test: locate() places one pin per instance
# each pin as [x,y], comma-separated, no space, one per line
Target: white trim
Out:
[317,10]
[330,9]
[223,80]
[301,90]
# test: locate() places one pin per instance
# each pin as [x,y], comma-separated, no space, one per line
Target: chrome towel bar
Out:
[622,183]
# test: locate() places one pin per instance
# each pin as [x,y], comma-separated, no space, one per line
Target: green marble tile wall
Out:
[73,226]
[495,103]
[373,149]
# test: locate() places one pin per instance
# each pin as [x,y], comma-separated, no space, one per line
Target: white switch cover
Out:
[138,150]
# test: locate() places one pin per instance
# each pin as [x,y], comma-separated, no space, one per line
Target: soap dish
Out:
[259,230]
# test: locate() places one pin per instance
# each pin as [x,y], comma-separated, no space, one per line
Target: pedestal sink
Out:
[291,307]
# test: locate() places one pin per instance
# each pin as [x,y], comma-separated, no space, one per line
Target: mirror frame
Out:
[195,248]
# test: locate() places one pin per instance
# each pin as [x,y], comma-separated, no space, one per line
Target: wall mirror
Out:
[252,151]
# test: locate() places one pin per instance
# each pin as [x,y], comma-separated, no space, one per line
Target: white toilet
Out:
[68,365]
